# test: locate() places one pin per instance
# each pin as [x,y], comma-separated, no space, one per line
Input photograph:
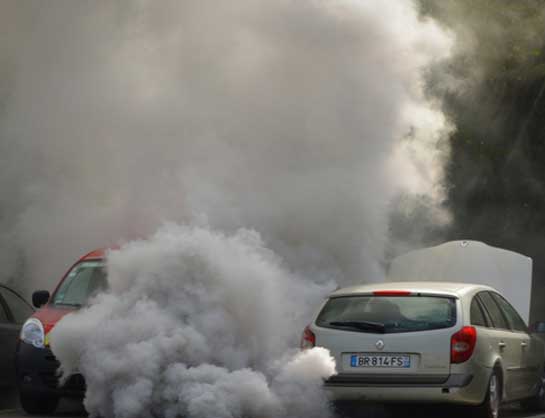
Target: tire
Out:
[38,405]
[490,408]
[537,402]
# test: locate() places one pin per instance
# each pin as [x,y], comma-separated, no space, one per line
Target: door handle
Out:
[502,345]
[524,344]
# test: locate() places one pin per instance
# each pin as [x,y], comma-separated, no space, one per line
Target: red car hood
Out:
[49,315]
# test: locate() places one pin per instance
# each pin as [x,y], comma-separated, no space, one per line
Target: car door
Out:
[509,345]
[13,313]
[487,337]
[530,362]
[8,338]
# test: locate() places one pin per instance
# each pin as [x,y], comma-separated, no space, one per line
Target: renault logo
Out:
[379,344]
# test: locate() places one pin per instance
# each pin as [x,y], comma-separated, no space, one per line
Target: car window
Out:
[494,312]
[476,314]
[515,321]
[539,327]
[19,309]
[84,280]
[388,314]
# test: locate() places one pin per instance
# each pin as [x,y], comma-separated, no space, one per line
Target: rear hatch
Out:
[389,337]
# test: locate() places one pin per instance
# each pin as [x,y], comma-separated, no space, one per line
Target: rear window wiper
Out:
[360,325]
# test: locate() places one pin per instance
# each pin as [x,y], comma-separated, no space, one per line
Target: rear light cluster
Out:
[308,339]
[462,344]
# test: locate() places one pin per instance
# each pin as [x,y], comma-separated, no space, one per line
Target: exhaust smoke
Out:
[272,135]
[199,324]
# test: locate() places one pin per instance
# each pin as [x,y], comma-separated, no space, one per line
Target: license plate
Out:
[371,360]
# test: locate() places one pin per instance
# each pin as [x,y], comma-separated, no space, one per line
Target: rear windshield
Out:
[85,280]
[388,314]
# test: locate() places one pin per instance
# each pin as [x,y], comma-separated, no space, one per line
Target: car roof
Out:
[10,289]
[99,253]
[437,288]
[3,286]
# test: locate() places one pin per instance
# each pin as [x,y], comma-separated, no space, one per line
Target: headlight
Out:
[33,333]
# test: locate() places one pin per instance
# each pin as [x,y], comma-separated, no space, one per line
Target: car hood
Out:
[49,315]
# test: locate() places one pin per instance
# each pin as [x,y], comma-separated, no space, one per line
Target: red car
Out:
[36,365]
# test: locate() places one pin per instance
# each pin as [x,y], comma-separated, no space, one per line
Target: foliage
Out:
[492,88]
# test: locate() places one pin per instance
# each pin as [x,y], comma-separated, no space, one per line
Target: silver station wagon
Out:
[429,342]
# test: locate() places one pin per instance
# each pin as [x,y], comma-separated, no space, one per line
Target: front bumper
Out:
[465,389]
[37,374]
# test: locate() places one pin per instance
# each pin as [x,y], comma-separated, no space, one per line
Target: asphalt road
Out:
[74,409]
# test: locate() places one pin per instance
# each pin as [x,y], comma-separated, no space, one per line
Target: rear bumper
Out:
[37,374]
[468,389]
[449,381]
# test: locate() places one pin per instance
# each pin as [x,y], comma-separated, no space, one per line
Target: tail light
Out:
[462,344]
[392,293]
[308,339]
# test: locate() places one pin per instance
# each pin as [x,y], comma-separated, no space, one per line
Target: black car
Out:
[14,311]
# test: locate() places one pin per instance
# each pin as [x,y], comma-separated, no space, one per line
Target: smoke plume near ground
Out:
[299,119]
[197,324]
[277,132]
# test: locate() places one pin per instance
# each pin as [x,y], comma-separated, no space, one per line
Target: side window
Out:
[18,307]
[515,321]
[476,314]
[498,320]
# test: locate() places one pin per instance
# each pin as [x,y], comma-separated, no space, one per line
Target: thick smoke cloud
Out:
[299,119]
[197,324]
[289,126]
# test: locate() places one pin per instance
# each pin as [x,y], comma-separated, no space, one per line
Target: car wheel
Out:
[490,408]
[38,404]
[536,403]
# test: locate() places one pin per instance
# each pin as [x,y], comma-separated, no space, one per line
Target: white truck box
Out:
[470,262]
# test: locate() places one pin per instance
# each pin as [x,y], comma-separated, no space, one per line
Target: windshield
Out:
[388,314]
[85,280]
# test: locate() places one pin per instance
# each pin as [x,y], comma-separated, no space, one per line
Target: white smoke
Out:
[197,324]
[299,120]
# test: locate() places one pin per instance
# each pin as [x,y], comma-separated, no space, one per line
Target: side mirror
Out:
[40,298]
[539,327]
